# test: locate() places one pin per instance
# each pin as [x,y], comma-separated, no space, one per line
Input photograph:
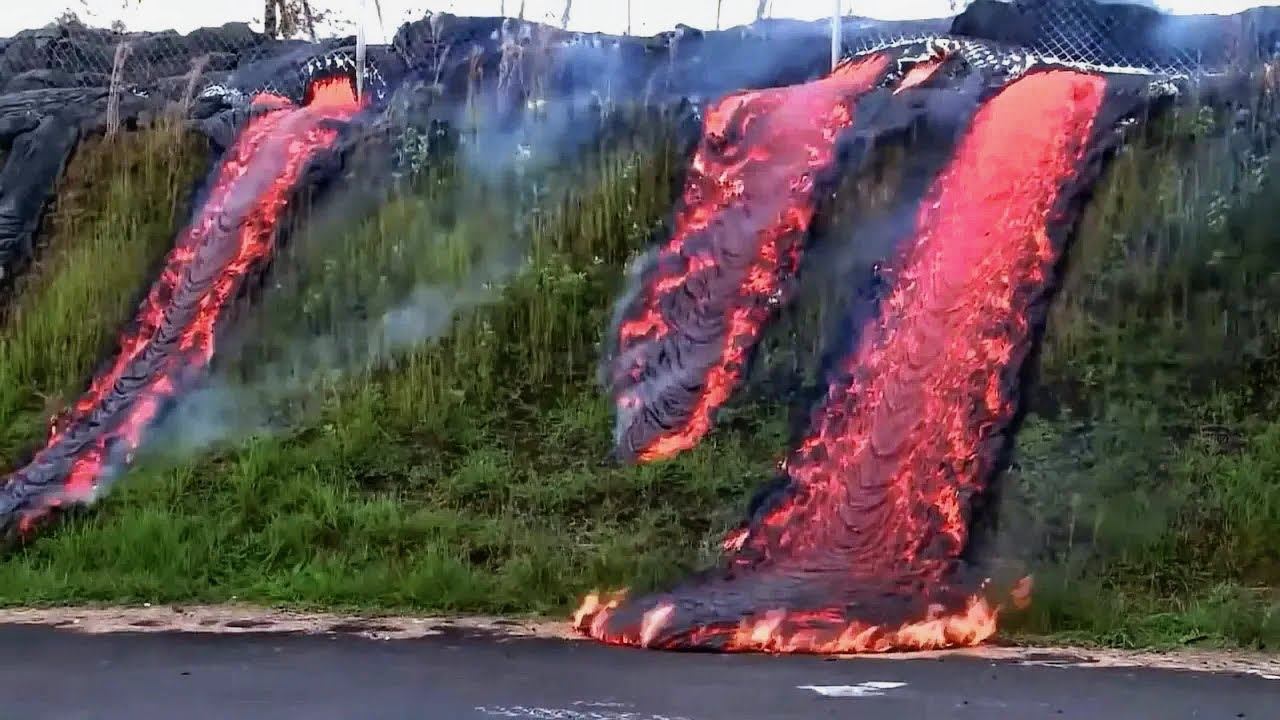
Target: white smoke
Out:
[226,409]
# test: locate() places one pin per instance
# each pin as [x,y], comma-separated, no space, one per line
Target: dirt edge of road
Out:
[241,619]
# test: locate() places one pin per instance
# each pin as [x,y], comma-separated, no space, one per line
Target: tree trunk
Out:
[288,20]
[564,21]
[270,19]
[760,8]
[719,5]
[310,18]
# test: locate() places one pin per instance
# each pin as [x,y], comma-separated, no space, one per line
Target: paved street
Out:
[61,675]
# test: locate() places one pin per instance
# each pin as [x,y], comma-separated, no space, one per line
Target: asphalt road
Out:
[54,674]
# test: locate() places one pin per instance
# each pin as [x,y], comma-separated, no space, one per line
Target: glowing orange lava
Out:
[172,337]
[864,553]
[920,74]
[748,202]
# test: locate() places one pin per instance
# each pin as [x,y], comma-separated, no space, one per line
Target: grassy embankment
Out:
[117,206]
[467,475]
[1148,472]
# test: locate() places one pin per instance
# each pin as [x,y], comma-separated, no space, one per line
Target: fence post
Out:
[123,49]
[362,48]
[836,45]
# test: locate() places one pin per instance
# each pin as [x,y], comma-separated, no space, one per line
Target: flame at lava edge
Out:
[975,198]
[106,436]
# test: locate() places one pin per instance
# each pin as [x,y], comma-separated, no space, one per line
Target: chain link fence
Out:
[1080,32]
[71,54]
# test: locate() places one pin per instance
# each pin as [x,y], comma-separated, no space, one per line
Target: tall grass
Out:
[465,473]
[118,206]
[1146,478]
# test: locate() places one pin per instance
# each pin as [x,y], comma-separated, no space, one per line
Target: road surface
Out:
[47,673]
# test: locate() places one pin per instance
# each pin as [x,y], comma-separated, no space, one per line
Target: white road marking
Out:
[522,712]
[871,688]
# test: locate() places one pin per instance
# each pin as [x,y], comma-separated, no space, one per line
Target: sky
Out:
[647,17]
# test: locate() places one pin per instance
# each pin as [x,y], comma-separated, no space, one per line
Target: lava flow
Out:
[171,341]
[684,339]
[862,551]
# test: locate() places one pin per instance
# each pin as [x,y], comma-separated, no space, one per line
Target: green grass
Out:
[1146,478]
[117,207]
[463,468]
[466,474]
[356,514]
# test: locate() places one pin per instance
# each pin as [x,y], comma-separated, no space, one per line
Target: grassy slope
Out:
[118,203]
[1147,477]
[469,475]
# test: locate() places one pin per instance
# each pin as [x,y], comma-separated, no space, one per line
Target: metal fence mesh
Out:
[875,41]
[70,54]
[1079,32]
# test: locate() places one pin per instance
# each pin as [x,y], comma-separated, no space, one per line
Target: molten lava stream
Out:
[862,552]
[171,340]
[683,341]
